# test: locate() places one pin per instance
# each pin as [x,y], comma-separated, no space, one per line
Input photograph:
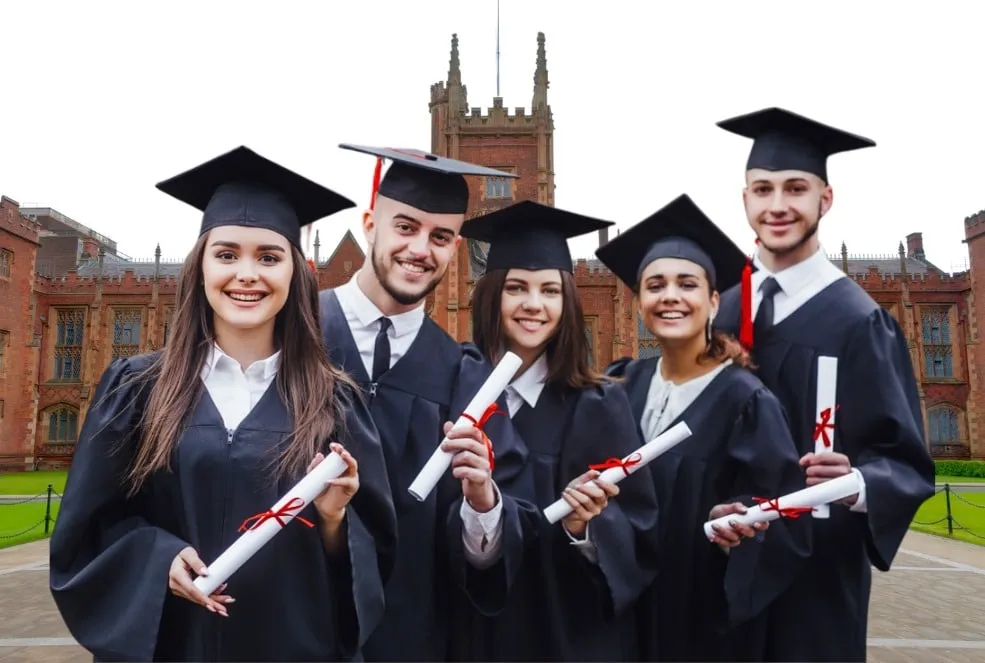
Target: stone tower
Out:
[520,142]
[974,227]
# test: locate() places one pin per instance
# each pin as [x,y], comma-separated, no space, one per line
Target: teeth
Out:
[530,325]
[245,298]
[410,267]
[672,315]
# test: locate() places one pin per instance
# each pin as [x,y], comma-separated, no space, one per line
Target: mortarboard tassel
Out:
[745,321]
[307,246]
[376,181]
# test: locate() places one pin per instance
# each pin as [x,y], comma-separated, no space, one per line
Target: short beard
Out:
[811,231]
[402,298]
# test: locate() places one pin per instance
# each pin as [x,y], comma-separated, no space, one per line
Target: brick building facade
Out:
[70,302]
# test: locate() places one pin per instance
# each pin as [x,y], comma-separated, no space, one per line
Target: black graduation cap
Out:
[528,235]
[678,230]
[786,141]
[242,188]
[425,181]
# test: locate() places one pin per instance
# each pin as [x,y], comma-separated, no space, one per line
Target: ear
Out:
[369,226]
[457,241]
[827,199]
[714,305]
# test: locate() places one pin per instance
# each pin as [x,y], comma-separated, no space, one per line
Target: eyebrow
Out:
[262,247]
[514,279]
[408,217]
[664,276]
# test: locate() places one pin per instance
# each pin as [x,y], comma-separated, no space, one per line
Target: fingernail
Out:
[210,608]
[203,571]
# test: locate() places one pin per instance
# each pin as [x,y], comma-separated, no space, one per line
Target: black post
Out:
[47,512]
[947,500]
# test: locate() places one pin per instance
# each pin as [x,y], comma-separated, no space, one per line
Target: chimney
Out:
[603,236]
[914,246]
[90,248]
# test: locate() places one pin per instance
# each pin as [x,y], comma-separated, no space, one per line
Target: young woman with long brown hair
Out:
[184,448]
[677,261]
[571,598]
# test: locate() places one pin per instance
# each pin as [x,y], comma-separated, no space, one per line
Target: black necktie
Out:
[764,317]
[381,352]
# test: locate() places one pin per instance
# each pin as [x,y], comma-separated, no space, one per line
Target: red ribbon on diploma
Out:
[821,427]
[609,463]
[295,504]
[788,512]
[486,416]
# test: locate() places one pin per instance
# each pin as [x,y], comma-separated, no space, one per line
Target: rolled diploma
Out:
[827,384]
[648,452]
[823,493]
[491,390]
[243,548]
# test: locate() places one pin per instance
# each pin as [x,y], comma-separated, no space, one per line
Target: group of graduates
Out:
[263,376]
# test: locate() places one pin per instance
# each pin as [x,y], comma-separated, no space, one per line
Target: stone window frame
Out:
[72,416]
[944,347]
[508,181]
[4,351]
[74,351]
[6,264]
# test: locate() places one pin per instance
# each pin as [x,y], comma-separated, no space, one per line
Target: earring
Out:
[708,332]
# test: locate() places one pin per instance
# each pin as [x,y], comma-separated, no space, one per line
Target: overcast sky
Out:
[101,100]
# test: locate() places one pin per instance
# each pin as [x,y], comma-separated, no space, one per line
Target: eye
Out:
[513,288]
[441,239]
[553,291]
[404,228]
[269,259]
[225,255]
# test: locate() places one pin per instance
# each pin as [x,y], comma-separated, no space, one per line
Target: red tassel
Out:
[376,182]
[745,322]
[311,264]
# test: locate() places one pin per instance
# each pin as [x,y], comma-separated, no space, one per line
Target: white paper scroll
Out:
[254,538]
[631,463]
[813,497]
[824,422]
[440,460]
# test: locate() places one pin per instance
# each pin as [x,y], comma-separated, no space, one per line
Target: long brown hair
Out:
[306,380]
[567,351]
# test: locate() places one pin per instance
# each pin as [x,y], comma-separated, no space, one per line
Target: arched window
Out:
[63,424]
[942,425]
[647,343]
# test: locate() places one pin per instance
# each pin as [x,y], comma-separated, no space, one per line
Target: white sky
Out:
[101,100]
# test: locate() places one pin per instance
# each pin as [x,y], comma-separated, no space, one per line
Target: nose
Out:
[670,293]
[532,302]
[246,271]
[778,203]
[418,246]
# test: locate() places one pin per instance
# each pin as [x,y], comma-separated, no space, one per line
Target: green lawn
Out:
[967,516]
[944,479]
[24,522]
[32,483]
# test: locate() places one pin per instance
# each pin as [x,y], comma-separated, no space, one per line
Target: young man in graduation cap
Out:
[466,534]
[794,309]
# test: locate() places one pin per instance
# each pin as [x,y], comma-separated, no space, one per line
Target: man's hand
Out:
[731,536]
[586,500]
[825,467]
[470,464]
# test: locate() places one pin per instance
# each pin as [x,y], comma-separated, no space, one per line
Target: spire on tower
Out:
[454,65]
[540,76]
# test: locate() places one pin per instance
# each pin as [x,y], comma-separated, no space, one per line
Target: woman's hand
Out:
[587,500]
[182,584]
[729,537]
[332,501]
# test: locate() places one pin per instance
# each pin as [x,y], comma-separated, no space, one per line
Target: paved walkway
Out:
[930,607]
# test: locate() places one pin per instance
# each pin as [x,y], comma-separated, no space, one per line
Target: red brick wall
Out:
[18,235]
[344,261]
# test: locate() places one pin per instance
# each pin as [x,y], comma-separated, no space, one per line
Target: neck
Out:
[777,262]
[246,346]
[371,287]
[528,357]
[679,359]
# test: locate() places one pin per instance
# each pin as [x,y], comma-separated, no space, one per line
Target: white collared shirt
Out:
[665,400]
[234,391]
[363,317]
[799,284]
[528,387]
[481,532]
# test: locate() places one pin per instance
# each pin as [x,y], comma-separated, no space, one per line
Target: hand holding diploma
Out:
[472,463]
[826,466]
[733,532]
[789,506]
[588,495]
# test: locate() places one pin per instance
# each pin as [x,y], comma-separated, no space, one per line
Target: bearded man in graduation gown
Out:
[795,308]
[467,534]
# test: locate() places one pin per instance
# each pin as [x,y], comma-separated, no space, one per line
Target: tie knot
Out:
[384,324]
[770,287]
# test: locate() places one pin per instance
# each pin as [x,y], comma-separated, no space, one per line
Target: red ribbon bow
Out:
[295,504]
[486,416]
[609,463]
[787,512]
[821,427]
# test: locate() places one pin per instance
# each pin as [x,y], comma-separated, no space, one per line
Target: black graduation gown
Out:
[879,426]
[429,385]
[740,447]
[110,556]
[562,606]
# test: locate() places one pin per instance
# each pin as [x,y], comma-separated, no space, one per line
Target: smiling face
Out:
[409,252]
[246,274]
[784,209]
[531,306]
[676,300]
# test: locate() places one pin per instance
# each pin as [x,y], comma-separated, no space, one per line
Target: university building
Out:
[70,301]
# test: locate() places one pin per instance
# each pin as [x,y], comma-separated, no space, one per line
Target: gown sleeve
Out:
[625,533]
[880,412]
[488,589]
[765,464]
[108,565]
[371,529]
